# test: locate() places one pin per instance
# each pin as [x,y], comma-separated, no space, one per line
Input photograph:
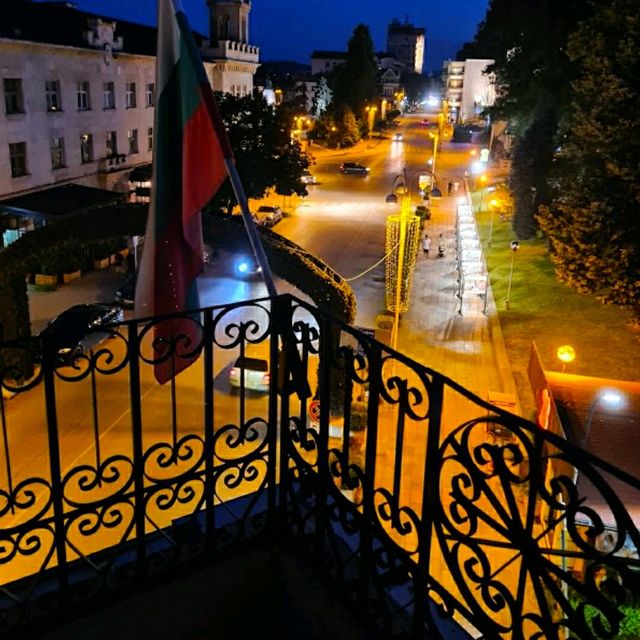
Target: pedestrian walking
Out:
[426,246]
[449,187]
[442,246]
[456,186]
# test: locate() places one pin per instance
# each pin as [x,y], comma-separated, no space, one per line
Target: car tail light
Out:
[265,378]
[233,373]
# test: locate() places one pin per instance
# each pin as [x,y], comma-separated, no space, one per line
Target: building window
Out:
[150,139]
[52,91]
[112,143]
[130,95]
[57,153]
[150,95]
[13,98]
[18,159]
[86,148]
[108,95]
[84,101]
[132,136]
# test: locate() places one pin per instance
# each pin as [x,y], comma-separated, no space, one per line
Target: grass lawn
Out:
[551,314]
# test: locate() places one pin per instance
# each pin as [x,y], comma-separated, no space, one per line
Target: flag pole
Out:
[250,226]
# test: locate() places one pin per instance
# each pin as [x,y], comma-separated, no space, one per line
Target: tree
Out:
[528,41]
[592,223]
[415,86]
[265,156]
[322,97]
[355,82]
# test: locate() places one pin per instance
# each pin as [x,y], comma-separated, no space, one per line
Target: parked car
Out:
[354,167]
[398,137]
[126,294]
[253,368]
[308,178]
[77,329]
[268,215]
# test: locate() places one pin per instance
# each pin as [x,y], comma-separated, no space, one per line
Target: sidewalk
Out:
[468,348]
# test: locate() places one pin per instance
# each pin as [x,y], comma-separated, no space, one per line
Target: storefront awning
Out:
[56,202]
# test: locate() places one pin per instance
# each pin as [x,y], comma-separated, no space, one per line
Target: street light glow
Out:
[566,353]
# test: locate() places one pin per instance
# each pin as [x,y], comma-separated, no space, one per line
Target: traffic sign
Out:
[314,411]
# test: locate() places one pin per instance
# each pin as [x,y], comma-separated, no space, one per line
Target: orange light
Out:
[472,152]
[566,353]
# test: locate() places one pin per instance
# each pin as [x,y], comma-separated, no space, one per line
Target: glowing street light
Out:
[566,354]
[610,399]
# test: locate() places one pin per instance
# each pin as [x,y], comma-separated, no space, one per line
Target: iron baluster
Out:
[209,482]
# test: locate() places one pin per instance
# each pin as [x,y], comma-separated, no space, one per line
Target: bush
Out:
[384,321]
[358,416]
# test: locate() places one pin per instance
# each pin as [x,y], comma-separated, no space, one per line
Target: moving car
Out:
[268,215]
[77,330]
[253,368]
[353,167]
[308,178]
[398,137]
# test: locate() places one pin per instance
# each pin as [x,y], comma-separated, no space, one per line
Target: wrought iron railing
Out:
[433,513]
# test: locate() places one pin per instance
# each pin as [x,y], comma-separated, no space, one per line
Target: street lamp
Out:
[566,354]
[515,245]
[483,184]
[610,399]
[436,139]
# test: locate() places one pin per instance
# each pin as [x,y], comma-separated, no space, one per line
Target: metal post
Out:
[515,245]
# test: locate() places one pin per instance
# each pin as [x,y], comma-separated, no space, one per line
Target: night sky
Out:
[292,29]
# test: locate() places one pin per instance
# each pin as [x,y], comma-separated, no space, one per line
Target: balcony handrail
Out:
[394,484]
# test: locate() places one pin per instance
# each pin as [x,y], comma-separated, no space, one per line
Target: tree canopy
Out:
[355,81]
[592,221]
[266,157]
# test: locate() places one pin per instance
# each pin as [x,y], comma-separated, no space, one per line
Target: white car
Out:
[253,368]
[268,216]
[308,178]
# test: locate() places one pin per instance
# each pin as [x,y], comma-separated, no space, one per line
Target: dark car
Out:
[77,329]
[126,294]
[354,167]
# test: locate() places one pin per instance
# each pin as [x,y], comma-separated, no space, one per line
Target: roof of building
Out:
[61,23]
[329,54]
[611,435]
[56,202]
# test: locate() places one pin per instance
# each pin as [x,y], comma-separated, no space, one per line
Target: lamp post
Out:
[515,245]
[406,227]
[611,399]
[436,139]
[483,185]
[566,354]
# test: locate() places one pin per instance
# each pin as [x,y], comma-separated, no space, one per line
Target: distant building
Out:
[467,88]
[325,61]
[406,44]
[78,91]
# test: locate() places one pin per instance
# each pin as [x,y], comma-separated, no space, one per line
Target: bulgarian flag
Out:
[190,148]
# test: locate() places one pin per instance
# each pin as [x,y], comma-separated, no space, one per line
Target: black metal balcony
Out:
[432,513]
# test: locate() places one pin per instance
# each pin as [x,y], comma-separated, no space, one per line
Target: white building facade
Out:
[83,112]
[468,89]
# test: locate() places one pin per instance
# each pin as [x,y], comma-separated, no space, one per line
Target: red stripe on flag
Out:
[203,169]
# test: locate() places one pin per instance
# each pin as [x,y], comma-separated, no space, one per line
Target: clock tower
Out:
[229,58]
